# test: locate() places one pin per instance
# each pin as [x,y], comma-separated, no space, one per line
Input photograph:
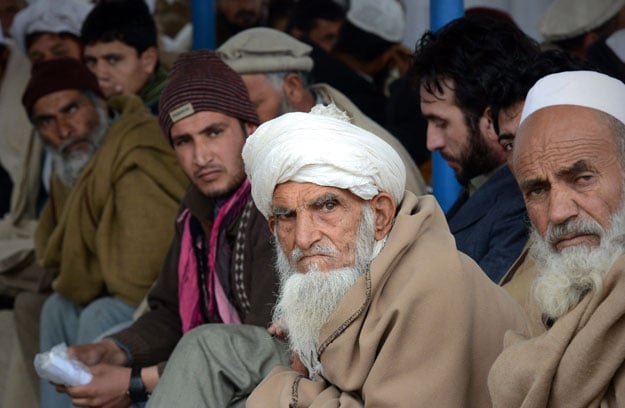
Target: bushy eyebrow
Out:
[280,211]
[320,201]
[579,166]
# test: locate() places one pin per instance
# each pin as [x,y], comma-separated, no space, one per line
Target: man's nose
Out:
[306,231]
[562,206]
[434,139]
[202,154]
[66,128]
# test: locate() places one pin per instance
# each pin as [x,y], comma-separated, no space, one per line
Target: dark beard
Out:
[477,160]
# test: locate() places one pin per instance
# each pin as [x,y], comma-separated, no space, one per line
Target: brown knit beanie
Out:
[58,75]
[201,81]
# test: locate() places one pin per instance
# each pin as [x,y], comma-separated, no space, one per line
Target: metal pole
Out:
[444,183]
[203,16]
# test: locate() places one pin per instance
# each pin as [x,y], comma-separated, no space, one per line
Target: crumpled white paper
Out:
[56,366]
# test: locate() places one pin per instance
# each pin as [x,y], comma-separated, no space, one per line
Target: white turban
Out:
[581,88]
[324,149]
[49,16]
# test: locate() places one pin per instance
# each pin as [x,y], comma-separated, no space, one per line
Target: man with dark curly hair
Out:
[460,70]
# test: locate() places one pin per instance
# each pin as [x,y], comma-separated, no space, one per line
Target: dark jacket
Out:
[491,226]
[152,338]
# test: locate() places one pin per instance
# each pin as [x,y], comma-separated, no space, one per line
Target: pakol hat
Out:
[566,19]
[262,50]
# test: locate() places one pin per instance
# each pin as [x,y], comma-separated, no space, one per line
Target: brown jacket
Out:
[578,362]
[421,328]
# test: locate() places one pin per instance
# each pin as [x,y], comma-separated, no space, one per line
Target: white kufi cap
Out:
[581,88]
[383,18]
[323,148]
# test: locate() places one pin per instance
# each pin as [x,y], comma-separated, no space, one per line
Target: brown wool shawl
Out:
[578,362]
[109,235]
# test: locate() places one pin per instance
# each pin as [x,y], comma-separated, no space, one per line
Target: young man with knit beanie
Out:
[219,271]
[114,193]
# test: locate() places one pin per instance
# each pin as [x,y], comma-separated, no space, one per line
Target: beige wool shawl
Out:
[578,362]
[421,328]
[109,235]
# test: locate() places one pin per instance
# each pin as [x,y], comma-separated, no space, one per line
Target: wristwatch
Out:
[136,388]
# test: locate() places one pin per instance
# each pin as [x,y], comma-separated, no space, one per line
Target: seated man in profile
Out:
[568,159]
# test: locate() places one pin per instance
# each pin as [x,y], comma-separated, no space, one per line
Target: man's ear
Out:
[249,128]
[271,222]
[383,207]
[487,125]
[149,58]
[294,90]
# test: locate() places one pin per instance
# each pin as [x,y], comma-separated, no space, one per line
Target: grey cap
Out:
[566,19]
[262,50]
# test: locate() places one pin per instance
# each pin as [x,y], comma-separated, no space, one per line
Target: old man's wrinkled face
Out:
[569,169]
[570,173]
[72,126]
[316,225]
[325,239]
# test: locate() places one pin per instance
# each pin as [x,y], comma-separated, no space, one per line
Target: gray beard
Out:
[565,277]
[68,168]
[308,299]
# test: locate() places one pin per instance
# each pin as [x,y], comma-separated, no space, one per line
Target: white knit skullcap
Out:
[581,88]
[383,18]
[321,148]
[49,16]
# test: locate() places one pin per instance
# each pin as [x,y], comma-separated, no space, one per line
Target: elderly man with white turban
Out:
[379,307]
[569,161]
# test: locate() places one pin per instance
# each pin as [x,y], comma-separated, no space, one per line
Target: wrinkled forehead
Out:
[564,132]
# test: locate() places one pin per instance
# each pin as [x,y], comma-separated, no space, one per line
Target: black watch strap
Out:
[136,388]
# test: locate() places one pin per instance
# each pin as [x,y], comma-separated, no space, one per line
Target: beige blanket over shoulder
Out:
[577,363]
[420,329]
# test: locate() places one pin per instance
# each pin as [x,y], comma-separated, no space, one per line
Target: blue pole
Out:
[444,183]
[203,16]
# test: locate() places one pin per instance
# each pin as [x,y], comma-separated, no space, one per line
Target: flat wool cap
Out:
[262,50]
[566,19]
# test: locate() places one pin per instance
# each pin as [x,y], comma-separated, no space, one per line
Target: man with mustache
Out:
[460,70]
[218,274]
[113,197]
[569,161]
[379,306]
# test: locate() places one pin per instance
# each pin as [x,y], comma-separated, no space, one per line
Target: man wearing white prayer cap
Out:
[379,307]
[50,29]
[569,161]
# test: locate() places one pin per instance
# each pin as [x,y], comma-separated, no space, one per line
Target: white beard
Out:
[564,277]
[68,168]
[308,299]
